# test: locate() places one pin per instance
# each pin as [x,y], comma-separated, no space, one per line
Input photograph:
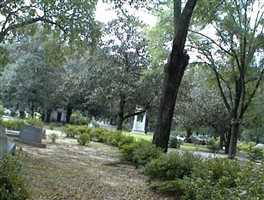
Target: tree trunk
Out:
[120,114]
[174,70]
[68,114]
[188,131]
[233,140]
[47,120]
[32,110]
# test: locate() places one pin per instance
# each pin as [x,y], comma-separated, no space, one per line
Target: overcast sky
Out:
[104,15]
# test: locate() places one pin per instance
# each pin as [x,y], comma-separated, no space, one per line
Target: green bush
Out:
[77,118]
[125,140]
[83,139]
[34,122]
[98,134]
[172,166]
[12,185]
[145,152]
[74,130]
[53,137]
[213,145]
[13,124]
[174,143]
[223,179]
[113,138]
[140,152]
[256,153]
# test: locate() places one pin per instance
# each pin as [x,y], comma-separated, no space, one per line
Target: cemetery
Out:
[131,100]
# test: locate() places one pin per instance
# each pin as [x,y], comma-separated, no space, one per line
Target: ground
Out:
[66,170]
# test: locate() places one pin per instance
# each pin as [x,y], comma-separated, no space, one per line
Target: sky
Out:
[105,15]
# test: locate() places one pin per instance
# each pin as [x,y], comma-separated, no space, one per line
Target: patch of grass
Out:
[139,136]
[192,147]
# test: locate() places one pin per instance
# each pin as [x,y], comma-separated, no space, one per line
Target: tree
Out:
[173,72]
[74,20]
[30,79]
[233,53]
[114,74]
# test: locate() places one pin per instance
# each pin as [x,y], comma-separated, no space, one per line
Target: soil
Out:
[66,170]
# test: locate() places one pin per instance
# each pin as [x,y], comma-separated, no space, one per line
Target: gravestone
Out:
[5,145]
[32,135]
[139,124]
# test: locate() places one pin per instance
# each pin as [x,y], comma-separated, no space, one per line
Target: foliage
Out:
[74,130]
[115,138]
[53,137]
[72,21]
[174,143]
[213,145]
[233,54]
[145,152]
[83,138]
[172,166]
[29,78]
[34,121]
[77,118]
[256,154]
[190,177]
[12,185]
[140,152]
[13,124]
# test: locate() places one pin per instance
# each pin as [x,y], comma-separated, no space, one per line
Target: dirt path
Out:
[65,170]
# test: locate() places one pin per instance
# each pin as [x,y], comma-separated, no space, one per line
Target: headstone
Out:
[139,124]
[5,145]
[3,142]
[32,135]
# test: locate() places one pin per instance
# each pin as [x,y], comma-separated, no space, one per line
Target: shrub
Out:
[172,166]
[145,152]
[212,179]
[13,124]
[256,154]
[213,145]
[12,186]
[83,139]
[98,134]
[74,130]
[174,143]
[125,140]
[77,118]
[113,138]
[53,137]
[34,122]
[140,152]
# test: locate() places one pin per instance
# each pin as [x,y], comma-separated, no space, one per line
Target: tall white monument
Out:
[139,123]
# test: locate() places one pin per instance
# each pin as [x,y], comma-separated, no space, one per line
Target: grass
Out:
[139,136]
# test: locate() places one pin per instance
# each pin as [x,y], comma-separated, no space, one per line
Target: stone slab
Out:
[31,133]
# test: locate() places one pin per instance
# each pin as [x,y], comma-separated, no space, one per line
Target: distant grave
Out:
[5,145]
[32,135]
[139,124]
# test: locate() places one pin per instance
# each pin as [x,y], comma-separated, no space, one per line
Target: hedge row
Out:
[185,175]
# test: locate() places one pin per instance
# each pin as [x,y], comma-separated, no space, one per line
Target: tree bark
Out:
[68,114]
[47,120]
[120,115]
[233,140]
[173,73]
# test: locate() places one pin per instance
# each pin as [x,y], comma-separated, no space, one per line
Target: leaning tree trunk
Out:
[173,73]
[120,114]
